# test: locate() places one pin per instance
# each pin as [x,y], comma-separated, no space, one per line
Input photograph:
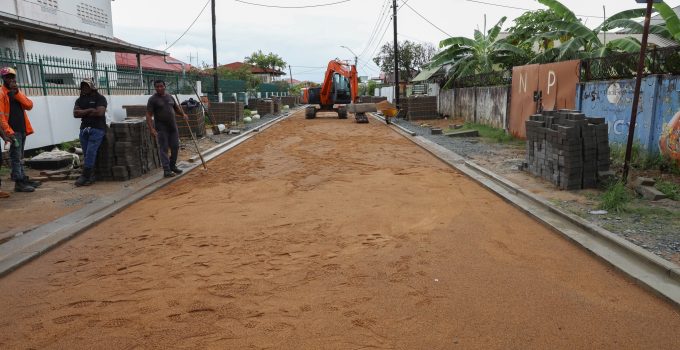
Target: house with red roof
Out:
[266,75]
[149,62]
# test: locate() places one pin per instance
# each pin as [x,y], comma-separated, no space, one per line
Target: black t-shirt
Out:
[163,109]
[92,101]
[16,115]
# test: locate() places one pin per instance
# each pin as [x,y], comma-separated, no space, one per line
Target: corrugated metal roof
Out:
[150,62]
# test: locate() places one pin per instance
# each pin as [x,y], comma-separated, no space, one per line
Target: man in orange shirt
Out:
[13,107]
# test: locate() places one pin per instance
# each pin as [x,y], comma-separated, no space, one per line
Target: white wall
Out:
[387,91]
[53,122]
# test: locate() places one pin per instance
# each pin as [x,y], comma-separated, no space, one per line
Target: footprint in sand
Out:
[66,319]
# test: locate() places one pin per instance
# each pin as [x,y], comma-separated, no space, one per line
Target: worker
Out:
[13,107]
[4,135]
[162,107]
[90,108]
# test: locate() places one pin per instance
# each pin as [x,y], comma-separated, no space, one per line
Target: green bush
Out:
[616,197]
[670,189]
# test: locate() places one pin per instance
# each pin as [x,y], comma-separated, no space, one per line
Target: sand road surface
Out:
[326,234]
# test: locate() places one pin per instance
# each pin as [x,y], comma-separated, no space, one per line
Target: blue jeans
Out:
[90,140]
[16,155]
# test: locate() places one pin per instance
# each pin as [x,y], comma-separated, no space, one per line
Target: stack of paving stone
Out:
[289,101]
[277,105]
[420,107]
[262,106]
[227,112]
[567,148]
[196,122]
[128,151]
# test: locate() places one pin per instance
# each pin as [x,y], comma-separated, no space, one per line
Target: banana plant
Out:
[669,29]
[468,56]
[578,41]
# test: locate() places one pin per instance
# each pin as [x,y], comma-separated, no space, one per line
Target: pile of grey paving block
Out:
[262,106]
[289,101]
[420,107]
[196,123]
[227,112]
[127,151]
[567,148]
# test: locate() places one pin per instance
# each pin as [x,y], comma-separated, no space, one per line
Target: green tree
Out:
[412,58]
[266,61]
[481,54]
[527,25]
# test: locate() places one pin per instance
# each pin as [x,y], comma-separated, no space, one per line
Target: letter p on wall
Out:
[552,80]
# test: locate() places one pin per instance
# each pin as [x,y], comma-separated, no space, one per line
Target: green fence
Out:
[57,76]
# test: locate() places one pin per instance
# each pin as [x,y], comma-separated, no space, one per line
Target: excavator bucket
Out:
[360,110]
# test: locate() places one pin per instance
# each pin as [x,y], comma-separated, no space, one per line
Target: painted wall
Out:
[659,103]
[53,122]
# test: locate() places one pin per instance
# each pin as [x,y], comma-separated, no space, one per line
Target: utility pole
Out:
[396,56]
[290,70]
[638,85]
[214,43]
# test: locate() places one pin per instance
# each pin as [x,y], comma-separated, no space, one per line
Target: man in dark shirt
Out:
[13,107]
[162,107]
[90,107]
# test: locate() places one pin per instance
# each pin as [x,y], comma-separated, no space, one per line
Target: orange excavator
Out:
[340,87]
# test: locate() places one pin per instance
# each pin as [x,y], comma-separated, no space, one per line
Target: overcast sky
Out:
[311,37]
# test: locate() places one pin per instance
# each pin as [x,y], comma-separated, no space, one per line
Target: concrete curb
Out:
[652,272]
[22,249]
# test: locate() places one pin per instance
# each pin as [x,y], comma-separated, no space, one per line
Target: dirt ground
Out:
[325,234]
[652,225]
[23,212]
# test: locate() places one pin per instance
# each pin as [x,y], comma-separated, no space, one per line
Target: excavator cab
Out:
[340,88]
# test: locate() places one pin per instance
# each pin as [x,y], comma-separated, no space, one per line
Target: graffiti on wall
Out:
[669,144]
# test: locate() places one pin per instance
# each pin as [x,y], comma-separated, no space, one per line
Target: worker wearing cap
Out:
[16,126]
[90,108]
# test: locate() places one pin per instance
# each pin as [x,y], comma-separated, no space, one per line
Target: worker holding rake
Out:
[160,117]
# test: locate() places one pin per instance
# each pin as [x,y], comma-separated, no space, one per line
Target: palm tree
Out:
[481,54]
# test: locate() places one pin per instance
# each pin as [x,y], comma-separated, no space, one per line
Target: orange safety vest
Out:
[25,102]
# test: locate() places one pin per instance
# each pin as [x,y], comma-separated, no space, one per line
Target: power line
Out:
[423,17]
[519,8]
[376,26]
[188,28]
[381,39]
[292,7]
[382,17]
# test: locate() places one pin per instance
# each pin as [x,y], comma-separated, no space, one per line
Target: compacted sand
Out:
[325,234]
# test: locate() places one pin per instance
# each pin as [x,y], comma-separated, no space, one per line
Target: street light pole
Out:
[214,44]
[356,59]
[638,84]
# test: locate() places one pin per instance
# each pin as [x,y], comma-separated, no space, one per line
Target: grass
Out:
[4,171]
[642,160]
[615,198]
[495,134]
[670,189]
